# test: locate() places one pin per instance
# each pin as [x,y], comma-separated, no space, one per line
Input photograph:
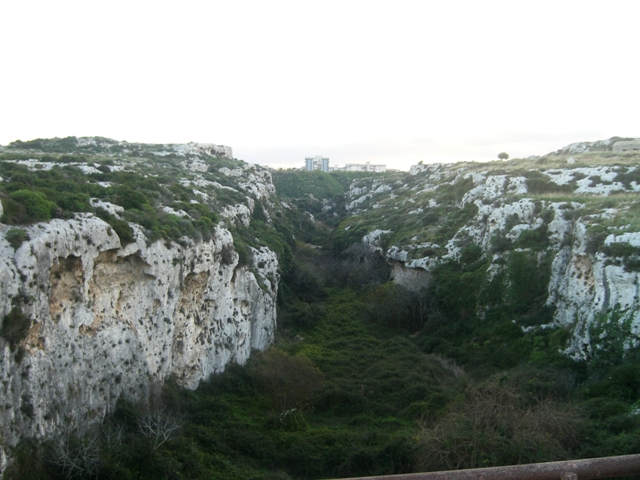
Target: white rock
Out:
[374,238]
[195,165]
[179,213]
[236,172]
[356,191]
[111,208]
[494,186]
[203,196]
[558,228]
[632,238]
[87,169]
[239,212]
[397,254]
[382,189]
[109,322]
[517,186]
[357,202]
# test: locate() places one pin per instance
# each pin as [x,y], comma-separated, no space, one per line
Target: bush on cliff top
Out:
[16,236]
[26,206]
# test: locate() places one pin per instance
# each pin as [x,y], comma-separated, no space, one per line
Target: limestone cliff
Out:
[106,321]
[110,300]
[577,212]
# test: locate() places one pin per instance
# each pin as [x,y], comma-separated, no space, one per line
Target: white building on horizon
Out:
[367,167]
[317,163]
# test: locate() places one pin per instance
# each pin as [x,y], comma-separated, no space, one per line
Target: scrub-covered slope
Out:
[556,237]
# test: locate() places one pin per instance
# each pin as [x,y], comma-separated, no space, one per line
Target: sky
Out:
[386,82]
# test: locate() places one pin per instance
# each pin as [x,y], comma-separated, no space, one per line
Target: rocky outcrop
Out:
[96,321]
[592,245]
[587,286]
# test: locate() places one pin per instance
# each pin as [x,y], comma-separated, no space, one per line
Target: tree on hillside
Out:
[503,156]
[290,381]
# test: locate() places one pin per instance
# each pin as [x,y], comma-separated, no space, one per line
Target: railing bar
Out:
[585,469]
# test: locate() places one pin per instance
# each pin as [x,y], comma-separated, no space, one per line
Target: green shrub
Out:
[72,202]
[621,249]
[398,308]
[121,227]
[630,255]
[227,256]
[47,144]
[242,249]
[123,230]
[346,235]
[500,243]
[258,212]
[628,177]
[470,254]
[30,462]
[611,337]
[535,239]
[15,327]
[290,381]
[621,382]
[494,425]
[300,314]
[511,221]
[596,235]
[454,192]
[16,236]
[129,198]
[539,183]
[528,280]
[71,159]
[229,197]
[28,206]
[297,184]
[451,223]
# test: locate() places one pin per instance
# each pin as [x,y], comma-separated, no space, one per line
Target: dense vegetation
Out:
[320,194]
[57,178]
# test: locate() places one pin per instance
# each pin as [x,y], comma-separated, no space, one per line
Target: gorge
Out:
[124,267]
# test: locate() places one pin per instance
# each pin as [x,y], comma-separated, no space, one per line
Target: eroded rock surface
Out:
[105,321]
[437,211]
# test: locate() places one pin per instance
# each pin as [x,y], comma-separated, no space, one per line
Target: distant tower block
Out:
[317,163]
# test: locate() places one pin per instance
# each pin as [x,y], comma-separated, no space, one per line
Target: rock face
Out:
[85,319]
[591,241]
[587,286]
[100,321]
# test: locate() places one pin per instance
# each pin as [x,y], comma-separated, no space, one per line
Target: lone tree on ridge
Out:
[503,156]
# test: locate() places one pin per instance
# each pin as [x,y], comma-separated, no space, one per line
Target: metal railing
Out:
[586,469]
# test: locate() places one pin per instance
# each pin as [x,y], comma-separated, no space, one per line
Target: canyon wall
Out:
[87,321]
[564,216]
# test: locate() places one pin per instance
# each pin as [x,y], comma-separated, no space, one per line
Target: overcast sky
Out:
[388,82]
